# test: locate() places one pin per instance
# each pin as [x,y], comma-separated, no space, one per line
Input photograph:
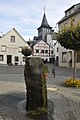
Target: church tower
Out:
[44,31]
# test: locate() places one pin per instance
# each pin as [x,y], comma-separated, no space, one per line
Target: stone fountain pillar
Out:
[35,84]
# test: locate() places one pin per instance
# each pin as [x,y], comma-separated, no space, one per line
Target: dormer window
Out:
[68,13]
[12,40]
[72,10]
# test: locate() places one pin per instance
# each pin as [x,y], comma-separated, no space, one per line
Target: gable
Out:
[19,41]
[41,43]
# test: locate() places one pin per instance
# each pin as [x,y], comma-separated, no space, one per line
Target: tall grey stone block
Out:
[35,80]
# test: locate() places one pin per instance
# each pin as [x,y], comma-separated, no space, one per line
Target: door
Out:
[9,59]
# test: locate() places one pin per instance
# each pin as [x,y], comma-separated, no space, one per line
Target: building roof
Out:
[70,15]
[73,7]
[31,43]
[13,29]
[45,22]
[34,43]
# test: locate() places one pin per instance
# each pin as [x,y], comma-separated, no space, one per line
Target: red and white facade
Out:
[43,50]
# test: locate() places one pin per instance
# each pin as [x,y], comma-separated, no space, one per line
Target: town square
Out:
[40,60]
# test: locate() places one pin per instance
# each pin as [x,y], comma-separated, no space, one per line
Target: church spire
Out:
[44,21]
[44,29]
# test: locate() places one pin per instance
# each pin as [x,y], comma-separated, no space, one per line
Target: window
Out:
[72,10]
[51,51]
[37,51]
[78,56]
[23,59]
[72,22]
[46,51]
[64,56]
[3,48]
[57,49]
[49,30]
[65,26]
[68,12]
[12,39]
[1,57]
[16,58]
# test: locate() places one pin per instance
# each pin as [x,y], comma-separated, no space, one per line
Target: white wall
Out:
[12,48]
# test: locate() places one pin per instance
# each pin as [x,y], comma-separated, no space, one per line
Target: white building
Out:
[43,50]
[10,48]
[56,52]
[56,47]
[43,44]
[71,18]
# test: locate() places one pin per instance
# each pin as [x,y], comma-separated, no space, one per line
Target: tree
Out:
[70,39]
[26,51]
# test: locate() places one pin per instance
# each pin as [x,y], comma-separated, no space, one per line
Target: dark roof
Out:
[66,17]
[31,43]
[44,22]
[72,7]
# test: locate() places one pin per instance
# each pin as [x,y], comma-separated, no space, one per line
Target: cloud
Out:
[26,15]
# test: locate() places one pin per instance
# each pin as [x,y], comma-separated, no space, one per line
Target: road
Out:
[60,71]
[66,101]
[63,71]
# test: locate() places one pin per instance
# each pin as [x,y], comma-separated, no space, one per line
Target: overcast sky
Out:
[26,15]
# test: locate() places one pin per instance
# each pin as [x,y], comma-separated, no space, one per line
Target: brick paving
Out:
[66,101]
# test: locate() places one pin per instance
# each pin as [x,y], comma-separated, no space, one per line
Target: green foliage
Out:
[45,68]
[26,51]
[70,38]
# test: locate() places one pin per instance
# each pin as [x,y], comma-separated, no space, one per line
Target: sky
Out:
[26,15]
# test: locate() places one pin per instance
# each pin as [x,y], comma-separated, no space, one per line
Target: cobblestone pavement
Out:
[66,101]
[10,95]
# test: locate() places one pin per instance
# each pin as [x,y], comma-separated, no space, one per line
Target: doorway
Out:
[9,59]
